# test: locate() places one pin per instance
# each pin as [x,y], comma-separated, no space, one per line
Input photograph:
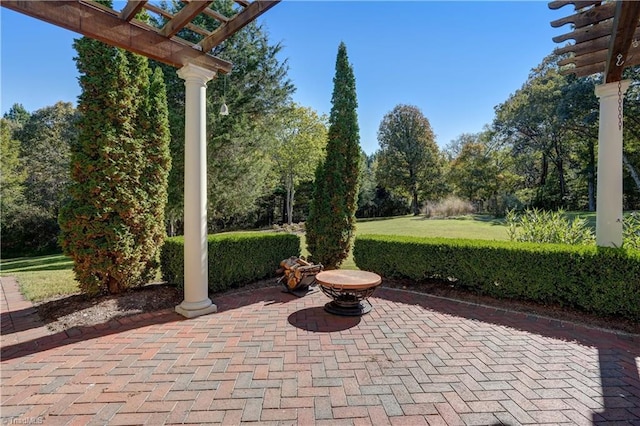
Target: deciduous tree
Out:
[409,159]
[299,144]
[46,137]
[532,121]
[13,173]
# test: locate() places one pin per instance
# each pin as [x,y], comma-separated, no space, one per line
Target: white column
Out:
[609,189]
[196,287]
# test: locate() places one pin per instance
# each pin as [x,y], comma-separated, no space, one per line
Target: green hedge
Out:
[234,258]
[605,281]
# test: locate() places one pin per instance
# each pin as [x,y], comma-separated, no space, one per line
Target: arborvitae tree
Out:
[331,221]
[113,225]
[156,168]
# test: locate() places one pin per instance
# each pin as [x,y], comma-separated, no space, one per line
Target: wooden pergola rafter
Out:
[606,35]
[120,28]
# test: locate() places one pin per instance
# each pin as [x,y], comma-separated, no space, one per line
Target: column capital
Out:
[611,89]
[195,72]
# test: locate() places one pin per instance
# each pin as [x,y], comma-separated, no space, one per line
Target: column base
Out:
[188,310]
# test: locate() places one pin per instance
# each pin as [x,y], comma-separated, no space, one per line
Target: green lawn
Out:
[473,227]
[41,277]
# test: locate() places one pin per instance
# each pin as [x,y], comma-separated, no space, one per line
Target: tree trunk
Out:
[559,163]
[632,171]
[414,193]
[283,209]
[544,171]
[563,183]
[290,194]
[113,286]
[414,203]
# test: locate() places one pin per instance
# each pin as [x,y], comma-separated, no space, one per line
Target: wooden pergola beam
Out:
[183,17]
[582,48]
[578,4]
[93,20]
[582,19]
[624,28]
[131,9]
[238,22]
[588,33]
[587,59]
[595,63]
[161,12]
[587,70]
[215,15]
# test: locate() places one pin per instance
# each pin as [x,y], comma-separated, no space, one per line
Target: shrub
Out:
[601,280]
[234,258]
[112,224]
[541,226]
[631,231]
[450,206]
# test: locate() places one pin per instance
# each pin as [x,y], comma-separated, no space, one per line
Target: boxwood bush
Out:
[604,281]
[234,258]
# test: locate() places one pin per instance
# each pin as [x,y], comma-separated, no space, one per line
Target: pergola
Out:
[606,38]
[195,65]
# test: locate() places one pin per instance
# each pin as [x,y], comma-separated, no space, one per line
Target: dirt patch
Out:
[78,311]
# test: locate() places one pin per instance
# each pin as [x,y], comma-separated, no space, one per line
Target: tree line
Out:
[539,151]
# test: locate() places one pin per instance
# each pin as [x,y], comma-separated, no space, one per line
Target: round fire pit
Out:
[349,290]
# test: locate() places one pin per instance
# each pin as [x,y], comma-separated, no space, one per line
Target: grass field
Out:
[478,227]
[44,277]
[474,227]
[41,277]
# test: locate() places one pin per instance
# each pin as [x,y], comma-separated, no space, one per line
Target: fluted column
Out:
[609,189]
[196,287]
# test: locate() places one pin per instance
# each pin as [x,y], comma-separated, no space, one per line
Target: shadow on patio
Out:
[27,319]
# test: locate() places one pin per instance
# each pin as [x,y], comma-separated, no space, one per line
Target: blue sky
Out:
[454,60]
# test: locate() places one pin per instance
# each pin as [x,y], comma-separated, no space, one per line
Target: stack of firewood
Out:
[298,273]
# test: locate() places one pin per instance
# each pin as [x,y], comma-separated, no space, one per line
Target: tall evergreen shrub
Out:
[112,225]
[331,221]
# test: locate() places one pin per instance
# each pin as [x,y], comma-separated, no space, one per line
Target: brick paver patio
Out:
[268,357]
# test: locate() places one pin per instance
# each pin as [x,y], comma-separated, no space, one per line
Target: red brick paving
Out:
[268,357]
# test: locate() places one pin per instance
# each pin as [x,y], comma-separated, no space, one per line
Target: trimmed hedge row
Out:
[604,281]
[234,258]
